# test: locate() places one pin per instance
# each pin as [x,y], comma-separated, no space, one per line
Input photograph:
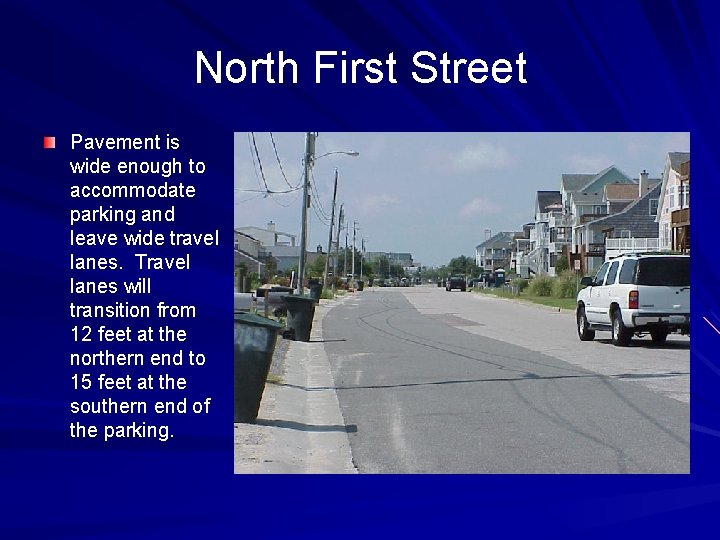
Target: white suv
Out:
[636,294]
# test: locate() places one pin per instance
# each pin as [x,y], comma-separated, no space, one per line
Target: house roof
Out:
[547,198]
[593,190]
[244,256]
[621,192]
[573,182]
[246,235]
[588,197]
[626,192]
[636,217]
[607,172]
[251,228]
[498,241]
[672,161]
[677,159]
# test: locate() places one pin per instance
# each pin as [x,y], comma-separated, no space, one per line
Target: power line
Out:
[257,154]
[322,219]
[252,159]
[317,195]
[277,156]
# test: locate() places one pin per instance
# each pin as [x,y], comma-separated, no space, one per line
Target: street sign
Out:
[577,264]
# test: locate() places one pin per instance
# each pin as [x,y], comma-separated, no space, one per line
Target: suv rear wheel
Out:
[583,327]
[621,336]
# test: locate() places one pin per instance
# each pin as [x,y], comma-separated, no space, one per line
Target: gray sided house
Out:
[550,234]
[496,252]
[593,199]
[247,252]
[633,229]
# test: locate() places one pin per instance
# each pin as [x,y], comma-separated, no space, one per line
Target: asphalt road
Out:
[441,382]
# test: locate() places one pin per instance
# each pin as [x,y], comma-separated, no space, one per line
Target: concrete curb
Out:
[300,428]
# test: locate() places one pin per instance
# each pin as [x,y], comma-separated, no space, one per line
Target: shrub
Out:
[565,285]
[541,286]
[520,283]
[327,294]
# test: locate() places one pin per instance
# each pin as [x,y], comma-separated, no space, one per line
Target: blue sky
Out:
[430,194]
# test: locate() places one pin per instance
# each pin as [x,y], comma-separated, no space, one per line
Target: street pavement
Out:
[419,380]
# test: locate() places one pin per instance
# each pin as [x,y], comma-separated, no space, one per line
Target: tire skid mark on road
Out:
[621,457]
[446,347]
[646,416]
[560,421]
[361,321]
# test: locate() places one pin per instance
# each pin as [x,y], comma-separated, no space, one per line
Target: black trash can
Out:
[254,345]
[360,285]
[301,310]
[439,283]
[316,288]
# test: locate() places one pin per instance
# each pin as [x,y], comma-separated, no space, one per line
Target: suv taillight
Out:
[633,300]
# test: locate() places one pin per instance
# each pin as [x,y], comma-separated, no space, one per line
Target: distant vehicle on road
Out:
[455,282]
[636,294]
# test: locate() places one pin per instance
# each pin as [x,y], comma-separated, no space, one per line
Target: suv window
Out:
[627,272]
[668,271]
[600,276]
[612,273]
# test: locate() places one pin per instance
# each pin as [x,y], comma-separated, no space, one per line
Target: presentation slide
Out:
[359,269]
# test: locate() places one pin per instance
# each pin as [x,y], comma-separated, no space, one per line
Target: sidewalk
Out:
[300,428]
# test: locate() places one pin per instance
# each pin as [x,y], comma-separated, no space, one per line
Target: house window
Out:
[597,209]
[624,233]
[653,207]
[684,195]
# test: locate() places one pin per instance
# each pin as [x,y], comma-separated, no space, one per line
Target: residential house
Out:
[673,215]
[583,199]
[549,235]
[247,252]
[495,252]
[521,247]
[616,199]
[633,229]
[270,236]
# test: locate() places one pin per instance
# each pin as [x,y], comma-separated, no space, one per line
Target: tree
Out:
[561,264]
[317,268]
[462,266]
[347,254]
[270,268]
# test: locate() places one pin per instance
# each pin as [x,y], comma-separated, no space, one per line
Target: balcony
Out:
[587,218]
[633,244]
[614,247]
[680,218]
[596,249]
[559,220]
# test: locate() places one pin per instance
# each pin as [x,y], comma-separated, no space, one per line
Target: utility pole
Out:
[362,256]
[307,162]
[332,224]
[346,250]
[341,217]
[353,252]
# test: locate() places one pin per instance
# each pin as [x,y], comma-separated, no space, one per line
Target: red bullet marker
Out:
[48,142]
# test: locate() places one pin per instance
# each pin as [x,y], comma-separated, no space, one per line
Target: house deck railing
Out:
[633,244]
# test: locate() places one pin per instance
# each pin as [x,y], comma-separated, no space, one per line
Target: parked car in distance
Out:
[636,294]
[455,282]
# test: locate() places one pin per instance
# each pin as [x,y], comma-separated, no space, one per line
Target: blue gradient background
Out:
[129,69]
